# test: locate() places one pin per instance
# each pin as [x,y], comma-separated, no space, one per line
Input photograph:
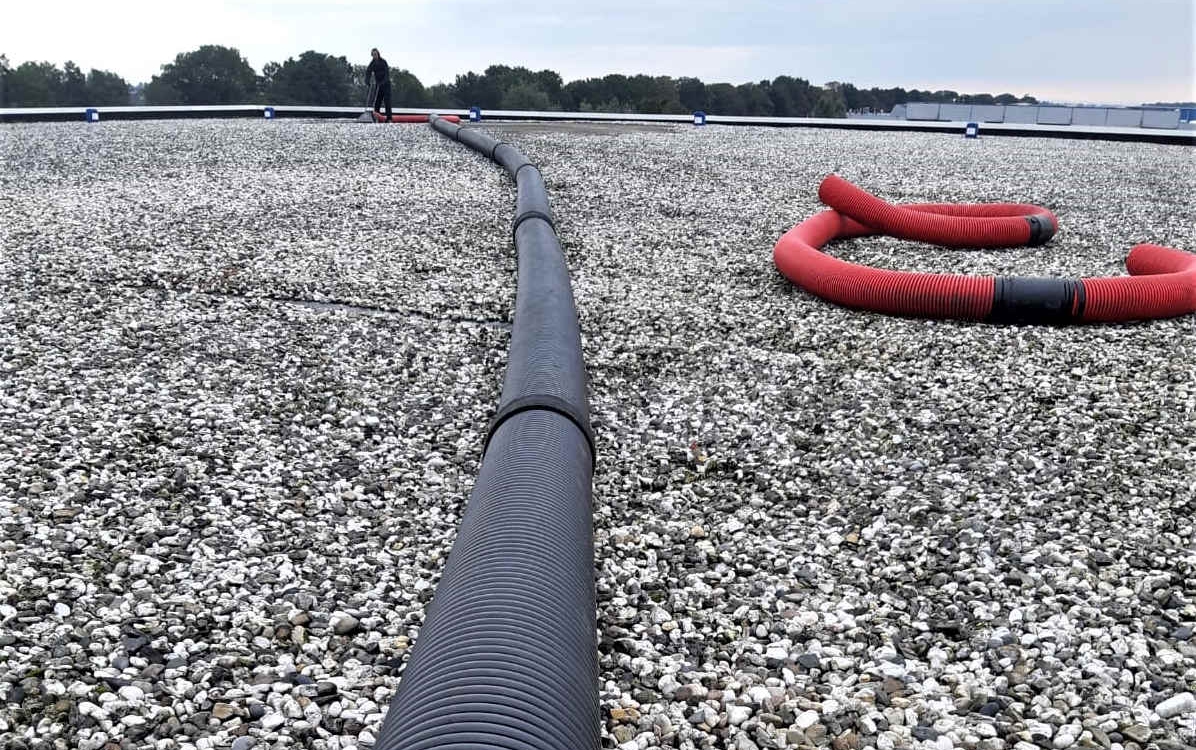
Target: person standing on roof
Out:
[381,73]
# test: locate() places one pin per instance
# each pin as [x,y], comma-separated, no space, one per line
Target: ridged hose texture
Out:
[507,656]
[1162,282]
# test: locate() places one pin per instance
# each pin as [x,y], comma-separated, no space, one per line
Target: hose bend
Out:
[1162,283]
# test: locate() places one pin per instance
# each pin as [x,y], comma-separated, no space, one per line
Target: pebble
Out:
[344,623]
[272,721]
[1065,737]
[1137,732]
[809,661]
[223,711]
[704,715]
[668,685]
[777,654]
[985,730]
[1177,705]
[806,719]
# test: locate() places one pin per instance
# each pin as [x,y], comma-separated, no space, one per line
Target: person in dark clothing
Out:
[381,72]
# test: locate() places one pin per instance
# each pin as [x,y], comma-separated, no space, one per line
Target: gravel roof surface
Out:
[245,370]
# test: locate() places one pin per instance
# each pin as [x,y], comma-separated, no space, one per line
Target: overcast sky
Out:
[1106,51]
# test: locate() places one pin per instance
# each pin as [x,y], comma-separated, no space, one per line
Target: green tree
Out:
[499,78]
[211,74]
[755,98]
[265,82]
[105,89]
[315,78]
[441,95]
[977,99]
[472,89]
[360,85]
[5,69]
[580,94]
[406,89]
[886,99]
[34,84]
[549,81]
[655,95]
[158,92]
[691,93]
[526,96]
[792,97]
[724,99]
[830,104]
[858,100]
[499,85]
[72,87]
[611,93]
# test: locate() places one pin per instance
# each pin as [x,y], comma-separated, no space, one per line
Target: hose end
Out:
[1042,229]
[828,185]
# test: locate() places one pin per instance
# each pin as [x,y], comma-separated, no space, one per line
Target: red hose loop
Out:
[1162,282]
[880,290]
[947,224]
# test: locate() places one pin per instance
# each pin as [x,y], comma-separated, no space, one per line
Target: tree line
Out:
[215,74]
[43,84]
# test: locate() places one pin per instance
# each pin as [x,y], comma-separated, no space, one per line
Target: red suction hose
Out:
[1162,283]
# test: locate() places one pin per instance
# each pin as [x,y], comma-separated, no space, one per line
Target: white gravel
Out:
[223,508]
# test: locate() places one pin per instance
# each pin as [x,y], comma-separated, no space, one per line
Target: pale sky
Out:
[1100,51]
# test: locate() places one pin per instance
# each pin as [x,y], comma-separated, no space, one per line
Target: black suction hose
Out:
[507,657]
